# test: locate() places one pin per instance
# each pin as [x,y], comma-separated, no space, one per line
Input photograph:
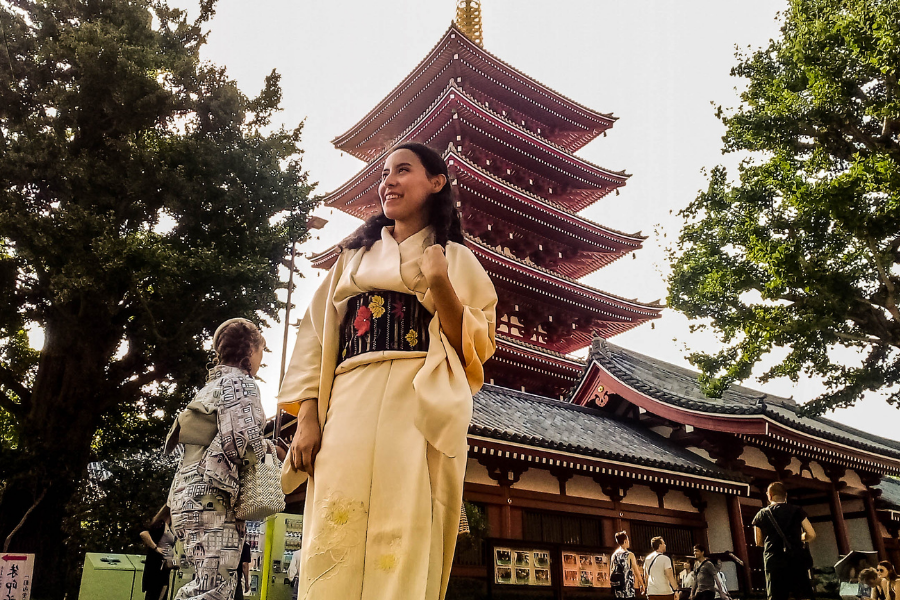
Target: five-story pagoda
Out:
[509,143]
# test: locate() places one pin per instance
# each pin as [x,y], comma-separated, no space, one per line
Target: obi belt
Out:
[382,320]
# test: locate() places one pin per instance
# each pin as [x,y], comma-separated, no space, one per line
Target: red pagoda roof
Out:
[554,237]
[455,116]
[457,58]
[578,309]
[517,364]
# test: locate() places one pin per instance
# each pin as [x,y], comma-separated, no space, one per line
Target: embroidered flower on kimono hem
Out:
[412,337]
[377,306]
[363,321]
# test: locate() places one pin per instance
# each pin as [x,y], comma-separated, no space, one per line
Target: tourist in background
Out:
[706,577]
[786,573]
[294,574]
[219,431]
[624,573]
[242,587]
[889,582]
[160,542]
[686,579]
[659,572]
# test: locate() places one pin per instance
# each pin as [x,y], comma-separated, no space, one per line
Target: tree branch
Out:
[7,404]
[9,380]
[891,300]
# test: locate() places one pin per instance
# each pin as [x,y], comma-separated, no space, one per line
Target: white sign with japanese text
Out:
[15,576]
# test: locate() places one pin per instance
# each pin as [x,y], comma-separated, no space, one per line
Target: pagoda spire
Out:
[468,18]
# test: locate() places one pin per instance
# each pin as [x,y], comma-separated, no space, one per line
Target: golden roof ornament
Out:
[468,19]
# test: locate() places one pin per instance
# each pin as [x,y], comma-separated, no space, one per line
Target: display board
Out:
[581,569]
[519,566]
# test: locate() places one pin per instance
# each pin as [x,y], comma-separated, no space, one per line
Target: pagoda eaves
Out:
[559,119]
[456,118]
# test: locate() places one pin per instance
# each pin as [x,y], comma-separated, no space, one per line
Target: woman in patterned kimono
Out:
[387,358]
[220,430]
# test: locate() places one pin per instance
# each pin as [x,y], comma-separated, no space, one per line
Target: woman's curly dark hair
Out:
[234,341]
[442,214]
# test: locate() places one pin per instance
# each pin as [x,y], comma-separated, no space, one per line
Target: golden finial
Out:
[468,18]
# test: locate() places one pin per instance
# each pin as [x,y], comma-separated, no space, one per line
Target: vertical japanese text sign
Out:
[15,576]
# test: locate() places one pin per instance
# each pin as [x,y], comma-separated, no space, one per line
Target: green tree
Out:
[143,200]
[803,252]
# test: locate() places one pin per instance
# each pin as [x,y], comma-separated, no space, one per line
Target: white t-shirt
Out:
[657,584]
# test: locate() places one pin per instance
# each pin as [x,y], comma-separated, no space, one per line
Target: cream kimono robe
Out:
[382,511]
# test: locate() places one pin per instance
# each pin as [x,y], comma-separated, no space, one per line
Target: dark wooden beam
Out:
[874,529]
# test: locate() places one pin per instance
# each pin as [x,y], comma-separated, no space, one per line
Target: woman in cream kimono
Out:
[387,358]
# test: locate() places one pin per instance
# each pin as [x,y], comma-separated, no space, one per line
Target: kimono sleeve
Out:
[479,299]
[303,375]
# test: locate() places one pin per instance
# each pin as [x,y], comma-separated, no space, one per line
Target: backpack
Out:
[617,573]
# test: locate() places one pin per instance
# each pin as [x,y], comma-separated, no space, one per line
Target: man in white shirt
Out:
[294,574]
[658,572]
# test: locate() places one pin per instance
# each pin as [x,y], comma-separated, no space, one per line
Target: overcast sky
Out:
[659,66]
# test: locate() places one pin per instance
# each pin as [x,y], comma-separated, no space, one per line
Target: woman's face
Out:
[406,186]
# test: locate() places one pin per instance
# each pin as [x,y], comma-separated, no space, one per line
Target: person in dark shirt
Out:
[243,574]
[784,576]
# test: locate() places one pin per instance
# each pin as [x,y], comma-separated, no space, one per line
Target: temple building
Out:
[566,451]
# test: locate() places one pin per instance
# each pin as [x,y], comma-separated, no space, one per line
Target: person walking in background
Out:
[782,529]
[706,580]
[243,574]
[686,579]
[624,573]
[220,430]
[294,574]
[160,542]
[659,573]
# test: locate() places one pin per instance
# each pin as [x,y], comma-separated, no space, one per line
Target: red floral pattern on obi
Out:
[399,310]
[363,321]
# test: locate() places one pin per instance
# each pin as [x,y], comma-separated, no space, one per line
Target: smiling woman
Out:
[388,357]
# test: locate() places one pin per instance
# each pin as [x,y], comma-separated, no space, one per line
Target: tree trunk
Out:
[54,443]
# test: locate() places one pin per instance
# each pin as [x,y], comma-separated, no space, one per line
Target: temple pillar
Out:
[739,538]
[837,515]
[874,528]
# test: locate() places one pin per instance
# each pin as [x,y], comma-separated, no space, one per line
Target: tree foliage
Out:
[803,252]
[143,199]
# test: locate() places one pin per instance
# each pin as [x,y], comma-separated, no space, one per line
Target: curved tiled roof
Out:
[680,387]
[508,415]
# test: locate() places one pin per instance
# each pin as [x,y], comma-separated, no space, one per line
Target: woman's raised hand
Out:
[308,438]
[434,264]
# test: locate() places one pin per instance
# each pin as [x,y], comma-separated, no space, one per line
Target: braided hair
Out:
[234,342]
[442,214]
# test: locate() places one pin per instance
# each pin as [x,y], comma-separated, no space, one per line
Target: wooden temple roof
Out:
[674,393]
[536,368]
[508,425]
[596,309]
[457,58]
[455,116]
[534,429]
[584,246]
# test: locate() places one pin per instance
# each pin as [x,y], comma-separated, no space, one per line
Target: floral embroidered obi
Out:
[381,321]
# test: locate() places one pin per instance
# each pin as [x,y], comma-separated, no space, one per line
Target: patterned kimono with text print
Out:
[203,492]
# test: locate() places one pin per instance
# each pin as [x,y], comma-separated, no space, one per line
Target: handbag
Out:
[794,554]
[260,494]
